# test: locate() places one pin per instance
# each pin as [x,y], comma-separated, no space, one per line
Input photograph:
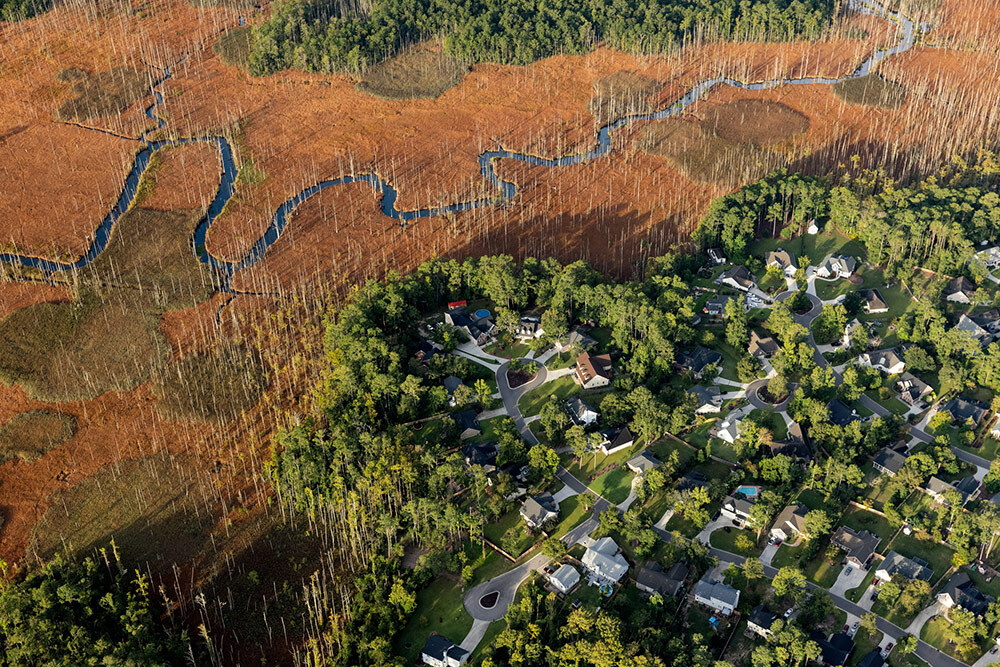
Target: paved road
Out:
[505,585]
[510,396]
[756,401]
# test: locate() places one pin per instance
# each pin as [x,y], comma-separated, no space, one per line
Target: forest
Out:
[326,36]
[18,10]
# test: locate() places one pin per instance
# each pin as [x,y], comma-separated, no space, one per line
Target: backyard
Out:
[439,609]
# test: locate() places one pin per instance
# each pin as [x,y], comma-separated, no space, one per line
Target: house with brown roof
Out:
[593,371]
[791,522]
[873,302]
[858,547]
[782,260]
[762,346]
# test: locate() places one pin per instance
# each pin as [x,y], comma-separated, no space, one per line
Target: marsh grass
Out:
[755,123]
[103,94]
[622,94]
[871,90]
[213,386]
[29,435]
[233,47]
[415,73]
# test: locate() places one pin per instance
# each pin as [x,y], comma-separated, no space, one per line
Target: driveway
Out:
[713,526]
[767,555]
[475,635]
[504,586]
[566,492]
[846,581]
[925,615]
[511,395]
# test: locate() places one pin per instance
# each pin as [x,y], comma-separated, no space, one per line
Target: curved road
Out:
[511,395]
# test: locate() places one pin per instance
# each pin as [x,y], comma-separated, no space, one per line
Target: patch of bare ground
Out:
[29,435]
[872,90]
[105,93]
[623,94]
[419,72]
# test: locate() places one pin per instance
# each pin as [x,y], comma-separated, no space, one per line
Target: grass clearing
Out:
[414,73]
[725,539]
[859,519]
[149,506]
[81,349]
[215,386]
[105,93]
[439,609]
[755,122]
[29,435]
[560,389]
[571,514]
[511,520]
[872,90]
[233,47]
[938,633]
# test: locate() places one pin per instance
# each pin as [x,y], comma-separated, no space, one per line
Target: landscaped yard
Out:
[937,632]
[725,539]
[439,609]
[892,404]
[822,572]
[685,527]
[774,422]
[512,519]
[515,350]
[936,554]
[593,462]
[786,555]
[878,492]
[816,500]
[987,449]
[571,515]
[730,357]
[560,388]
[860,519]
[863,645]
[613,485]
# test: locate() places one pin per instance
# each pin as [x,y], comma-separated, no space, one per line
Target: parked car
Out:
[849,570]
[854,629]
[874,596]
[994,650]
[789,612]
[846,628]
[875,582]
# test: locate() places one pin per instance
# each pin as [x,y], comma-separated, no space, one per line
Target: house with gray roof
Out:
[858,547]
[738,277]
[707,399]
[886,361]
[791,522]
[959,290]
[837,266]
[889,461]
[717,595]
[538,509]
[910,568]
[604,562]
[467,423]
[654,580]
[781,260]
[698,359]
[762,346]
[564,578]
[615,439]
[439,651]
[973,328]
[760,621]
[737,508]
[873,302]
[964,410]
[643,462]
[961,592]
[911,388]
[580,412]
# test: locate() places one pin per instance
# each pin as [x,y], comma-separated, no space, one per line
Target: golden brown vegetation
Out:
[415,73]
[872,90]
[216,385]
[623,94]
[29,435]
[103,94]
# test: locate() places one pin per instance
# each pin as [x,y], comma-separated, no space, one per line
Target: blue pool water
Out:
[480,314]
[748,491]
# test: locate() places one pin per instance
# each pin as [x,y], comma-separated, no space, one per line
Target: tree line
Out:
[323,36]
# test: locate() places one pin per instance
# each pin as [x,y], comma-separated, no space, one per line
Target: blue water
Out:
[748,491]
[480,314]
[487,165]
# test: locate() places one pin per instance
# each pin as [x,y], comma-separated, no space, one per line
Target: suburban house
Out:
[850,329]
[729,430]
[911,388]
[643,462]
[716,306]
[738,277]
[698,359]
[858,547]
[995,429]
[791,523]
[579,339]
[707,399]
[783,260]
[716,256]
[910,568]
[760,621]
[872,659]
[593,371]
[564,578]
[873,302]
[479,327]
[973,328]
[968,488]
[654,580]
[538,509]
[837,266]
[451,383]
[467,423]
[959,290]
[528,329]
[737,508]
[604,562]
[794,446]
[889,461]
[439,651]
[886,361]
[580,413]
[481,454]
[834,651]
[691,480]
[961,592]
[936,488]
[841,414]
[615,439]
[762,347]
[989,258]
[427,350]
[964,411]
[717,595]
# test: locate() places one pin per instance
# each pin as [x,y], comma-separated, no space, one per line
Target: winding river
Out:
[487,166]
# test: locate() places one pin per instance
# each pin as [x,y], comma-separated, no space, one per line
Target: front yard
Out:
[559,389]
[439,609]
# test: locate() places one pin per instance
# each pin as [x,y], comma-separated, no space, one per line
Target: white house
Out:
[886,361]
[580,412]
[439,651]
[989,258]
[959,290]
[849,330]
[837,266]
[708,399]
[717,595]
[781,259]
[593,370]
[791,522]
[738,277]
[564,578]
[729,430]
[528,329]
[604,563]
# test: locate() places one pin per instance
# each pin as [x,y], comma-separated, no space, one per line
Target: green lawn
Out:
[730,357]
[773,421]
[429,433]
[814,246]
[439,609]
[988,587]
[664,448]
[512,519]
[892,404]
[725,539]
[936,554]
[937,632]
[586,468]
[571,515]
[987,449]
[860,519]
[855,594]
[685,527]
[878,493]
[613,485]
[822,572]
[786,555]
[816,500]
[515,350]
[561,360]
[560,389]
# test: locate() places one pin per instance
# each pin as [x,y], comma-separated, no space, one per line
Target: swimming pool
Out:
[481,313]
[749,491]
